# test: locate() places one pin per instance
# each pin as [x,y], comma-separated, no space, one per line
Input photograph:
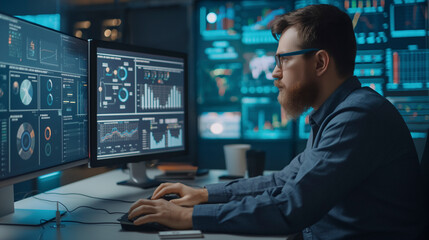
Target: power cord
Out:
[58,215]
[88,196]
[70,211]
[42,221]
[78,194]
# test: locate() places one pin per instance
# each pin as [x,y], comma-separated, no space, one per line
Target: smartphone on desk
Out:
[229,177]
[180,234]
[201,172]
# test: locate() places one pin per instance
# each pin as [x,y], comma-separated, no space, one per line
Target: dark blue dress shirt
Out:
[358,178]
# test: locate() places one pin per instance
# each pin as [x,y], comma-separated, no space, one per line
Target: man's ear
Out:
[322,62]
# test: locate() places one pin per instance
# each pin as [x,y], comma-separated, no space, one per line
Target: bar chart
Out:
[174,141]
[166,97]
[156,144]
[410,69]
[159,140]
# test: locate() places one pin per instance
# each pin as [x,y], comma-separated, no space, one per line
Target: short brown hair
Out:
[324,27]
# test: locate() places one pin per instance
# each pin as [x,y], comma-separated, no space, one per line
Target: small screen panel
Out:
[43,98]
[220,125]
[140,103]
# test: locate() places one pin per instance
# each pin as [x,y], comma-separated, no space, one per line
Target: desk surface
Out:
[104,186]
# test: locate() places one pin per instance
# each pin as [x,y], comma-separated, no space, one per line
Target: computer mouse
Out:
[128,225]
[168,197]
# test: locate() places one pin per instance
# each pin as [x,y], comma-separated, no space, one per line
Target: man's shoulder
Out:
[364,105]
[365,99]
[367,106]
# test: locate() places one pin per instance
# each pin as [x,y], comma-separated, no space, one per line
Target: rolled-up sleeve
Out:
[327,173]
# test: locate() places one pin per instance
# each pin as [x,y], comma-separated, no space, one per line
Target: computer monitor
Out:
[43,109]
[138,107]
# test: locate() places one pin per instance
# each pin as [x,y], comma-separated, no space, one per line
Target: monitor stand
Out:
[138,177]
[11,216]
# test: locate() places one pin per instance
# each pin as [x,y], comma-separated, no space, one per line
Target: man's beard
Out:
[297,98]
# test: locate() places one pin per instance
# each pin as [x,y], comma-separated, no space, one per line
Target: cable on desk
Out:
[79,194]
[72,221]
[70,211]
[98,209]
[46,200]
[26,194]
[98,198]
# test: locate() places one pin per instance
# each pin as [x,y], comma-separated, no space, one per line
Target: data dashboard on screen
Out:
[43,98]
[235,58]
[235,52]
[392,54]
[140,103]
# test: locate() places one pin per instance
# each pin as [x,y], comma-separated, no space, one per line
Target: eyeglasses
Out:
[278,56]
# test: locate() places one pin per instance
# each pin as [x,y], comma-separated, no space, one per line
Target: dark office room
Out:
[214,119]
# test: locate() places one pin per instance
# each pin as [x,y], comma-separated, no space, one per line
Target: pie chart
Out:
[49,85]
[48,149]
[25,141]
[122,73]
[123,95]
[26,92]
[50,99]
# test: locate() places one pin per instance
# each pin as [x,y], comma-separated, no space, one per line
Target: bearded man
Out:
[358,177]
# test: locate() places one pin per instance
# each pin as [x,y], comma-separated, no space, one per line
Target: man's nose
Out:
[277,72]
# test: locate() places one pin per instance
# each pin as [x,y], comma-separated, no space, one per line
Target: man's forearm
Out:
[237,189]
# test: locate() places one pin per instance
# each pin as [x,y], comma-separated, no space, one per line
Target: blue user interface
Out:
[235,57]
[43,98]
[140,103]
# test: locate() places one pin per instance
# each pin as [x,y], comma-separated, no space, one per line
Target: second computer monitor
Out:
[43,109]
[138,104]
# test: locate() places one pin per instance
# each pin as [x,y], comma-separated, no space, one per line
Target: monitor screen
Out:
[138,103]
[235,52]
[43,98]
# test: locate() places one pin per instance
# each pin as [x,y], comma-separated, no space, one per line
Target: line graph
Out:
[118,131]
[48,53]
[409,20]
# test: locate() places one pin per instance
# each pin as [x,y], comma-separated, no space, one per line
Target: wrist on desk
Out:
[187,214]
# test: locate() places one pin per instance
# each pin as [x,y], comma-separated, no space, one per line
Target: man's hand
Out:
[188,196]
[163,212]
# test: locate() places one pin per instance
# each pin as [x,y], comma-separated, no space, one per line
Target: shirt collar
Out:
[317,116]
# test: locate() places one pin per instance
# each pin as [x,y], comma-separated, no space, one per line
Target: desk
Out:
[104,186]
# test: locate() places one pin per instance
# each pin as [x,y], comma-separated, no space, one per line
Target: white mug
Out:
[235,158]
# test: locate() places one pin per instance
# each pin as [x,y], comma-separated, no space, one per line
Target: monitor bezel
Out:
[92,86]
[62,166]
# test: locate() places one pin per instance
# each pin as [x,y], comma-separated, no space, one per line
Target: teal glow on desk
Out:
[103,186]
